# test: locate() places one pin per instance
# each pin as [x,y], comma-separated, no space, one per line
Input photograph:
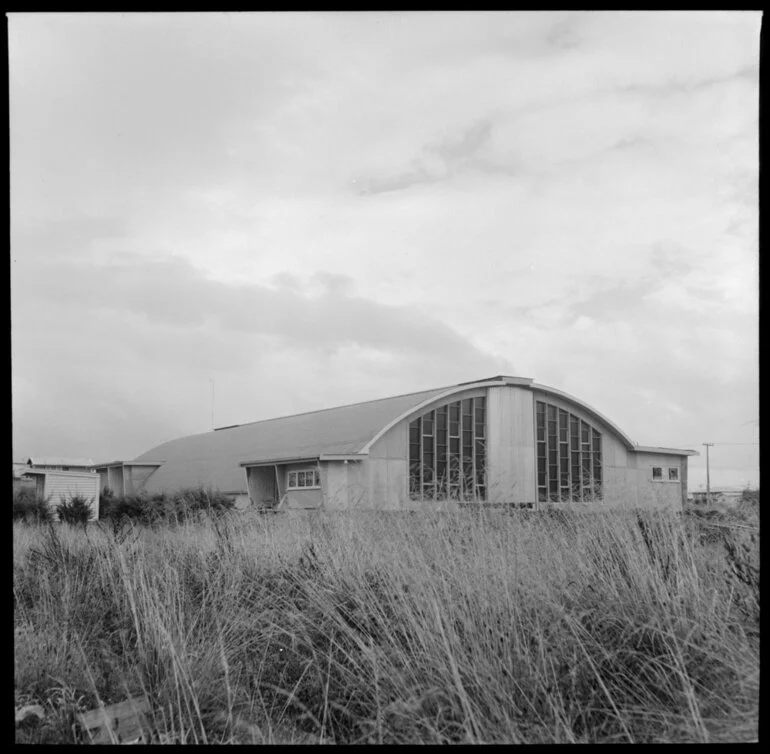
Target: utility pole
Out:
[708,479]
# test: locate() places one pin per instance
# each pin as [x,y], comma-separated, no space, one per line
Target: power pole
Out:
[708,478]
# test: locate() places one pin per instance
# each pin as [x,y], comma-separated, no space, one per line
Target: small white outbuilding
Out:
[56,485]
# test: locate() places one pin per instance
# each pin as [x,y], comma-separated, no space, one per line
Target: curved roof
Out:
[213,458]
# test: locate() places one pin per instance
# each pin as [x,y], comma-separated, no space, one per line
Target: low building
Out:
[717,497]
[501,440]
[57,463]
[56,485]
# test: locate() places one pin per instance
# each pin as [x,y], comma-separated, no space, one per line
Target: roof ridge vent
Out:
[503,379]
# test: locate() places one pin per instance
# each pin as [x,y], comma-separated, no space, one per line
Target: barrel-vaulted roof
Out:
[215,459]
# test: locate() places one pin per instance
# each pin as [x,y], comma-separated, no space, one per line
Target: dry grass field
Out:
[471,627]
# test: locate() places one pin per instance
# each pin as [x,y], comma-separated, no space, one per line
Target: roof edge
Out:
[447,393]
[669,451]
[590,409]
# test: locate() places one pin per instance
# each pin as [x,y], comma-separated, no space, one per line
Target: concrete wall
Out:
[659,493]
[299,498]
[387,468]
[511,464]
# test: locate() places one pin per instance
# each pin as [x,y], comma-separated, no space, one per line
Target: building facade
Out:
[502,440]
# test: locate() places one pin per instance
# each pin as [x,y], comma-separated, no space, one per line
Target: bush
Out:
[30,508]
[77,510]
[134,507]
[183,505]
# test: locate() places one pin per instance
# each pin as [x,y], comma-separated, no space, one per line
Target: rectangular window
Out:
[673,474]
[307,478]
[657,472]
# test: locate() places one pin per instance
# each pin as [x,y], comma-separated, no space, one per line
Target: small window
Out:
[657,472]
[304,479]
[673,474]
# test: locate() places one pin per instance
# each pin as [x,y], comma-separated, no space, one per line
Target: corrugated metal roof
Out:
[83,474]
[213,458]
[59,461]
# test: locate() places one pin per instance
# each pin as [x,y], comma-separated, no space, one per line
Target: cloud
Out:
[437,161]
[133,339]
[314,208]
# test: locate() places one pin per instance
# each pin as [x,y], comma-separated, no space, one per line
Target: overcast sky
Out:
[302,210]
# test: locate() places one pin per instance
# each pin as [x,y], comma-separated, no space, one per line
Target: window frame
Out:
[675,471]
[659,476]
[568,455]
[293,477]
[447,451]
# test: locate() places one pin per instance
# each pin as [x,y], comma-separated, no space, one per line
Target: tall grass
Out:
[376,627]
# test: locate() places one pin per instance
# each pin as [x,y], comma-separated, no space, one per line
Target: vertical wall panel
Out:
[336,485]
[511,444]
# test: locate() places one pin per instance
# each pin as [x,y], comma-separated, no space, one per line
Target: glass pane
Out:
[427,424]
[292,479]
[300,479]
[441,419]
[414,432]
[551,412]
[317,477]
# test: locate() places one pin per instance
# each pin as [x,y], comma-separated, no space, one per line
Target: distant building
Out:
[58,463]
[57,485]
[730,496]
[501,440]
[19,480]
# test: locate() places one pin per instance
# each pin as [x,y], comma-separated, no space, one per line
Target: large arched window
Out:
[569,456]
[447,452]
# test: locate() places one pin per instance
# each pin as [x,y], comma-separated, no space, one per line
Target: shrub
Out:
[134,507]
[183,505]
[77,510]
[30,508]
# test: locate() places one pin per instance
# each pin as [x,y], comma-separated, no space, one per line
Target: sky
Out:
[218,218]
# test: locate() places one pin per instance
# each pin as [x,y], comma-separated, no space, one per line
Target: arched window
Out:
[569,456]
[447,452]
